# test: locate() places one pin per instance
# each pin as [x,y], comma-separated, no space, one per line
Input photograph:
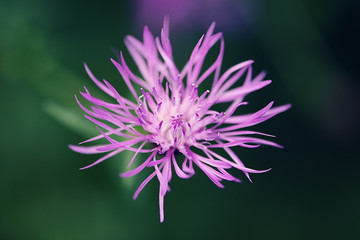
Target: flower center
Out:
[174,131]
[177,121]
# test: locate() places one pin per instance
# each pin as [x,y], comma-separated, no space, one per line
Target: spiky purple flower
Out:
[168,116]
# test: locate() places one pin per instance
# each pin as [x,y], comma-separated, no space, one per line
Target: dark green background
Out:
[310,50]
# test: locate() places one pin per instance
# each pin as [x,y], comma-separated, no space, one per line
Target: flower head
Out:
[168,115]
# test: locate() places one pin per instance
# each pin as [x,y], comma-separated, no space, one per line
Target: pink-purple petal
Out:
[139,168]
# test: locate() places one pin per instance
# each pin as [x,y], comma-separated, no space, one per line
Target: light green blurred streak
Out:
[26,58]
[75,122]
[71,119]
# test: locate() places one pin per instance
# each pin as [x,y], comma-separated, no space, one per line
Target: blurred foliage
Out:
[310,51]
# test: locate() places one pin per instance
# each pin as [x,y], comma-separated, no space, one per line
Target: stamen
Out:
[159,106]
[160,124]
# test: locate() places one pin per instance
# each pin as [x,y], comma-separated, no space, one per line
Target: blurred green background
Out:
[310,50]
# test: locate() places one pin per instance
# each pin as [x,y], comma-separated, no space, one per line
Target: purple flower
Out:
[168,116]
